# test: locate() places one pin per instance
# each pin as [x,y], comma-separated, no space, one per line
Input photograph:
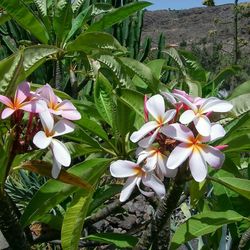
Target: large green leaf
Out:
[240,98]
[11,72]
[79,21]
[143,71]
[117,15]
[34,56]
[119,240]
[104,99]
[19,11]
[115,66]
[156,67]
[95,41]
[4,18]
[202,224]
[92,126]
[238,133]
[62,21]
[53,192]
[133,99]
[74,219]
[238,185]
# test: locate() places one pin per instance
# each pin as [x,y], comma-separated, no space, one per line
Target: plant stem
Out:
[159,223]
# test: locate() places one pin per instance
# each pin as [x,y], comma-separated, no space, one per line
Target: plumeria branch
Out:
[163,213]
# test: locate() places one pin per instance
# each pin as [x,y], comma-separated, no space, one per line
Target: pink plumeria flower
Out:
[56,106]
[20,102]
[156,161]
[156,107]
[197,113]
[136,175]
[46,138]
[192,147]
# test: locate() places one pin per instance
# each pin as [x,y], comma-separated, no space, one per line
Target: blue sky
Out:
[183,4]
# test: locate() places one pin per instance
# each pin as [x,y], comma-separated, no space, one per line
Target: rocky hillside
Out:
[197,25]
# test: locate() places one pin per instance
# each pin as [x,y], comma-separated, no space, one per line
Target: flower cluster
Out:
[169,139]
[52,118]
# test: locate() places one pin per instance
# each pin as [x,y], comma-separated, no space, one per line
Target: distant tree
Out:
[208,3]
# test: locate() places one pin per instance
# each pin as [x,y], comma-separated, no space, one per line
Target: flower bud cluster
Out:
[49,117]
[171,137]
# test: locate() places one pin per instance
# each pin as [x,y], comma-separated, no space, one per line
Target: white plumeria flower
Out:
[135,174]
[46,138]
[156,161]
[199,154]
[156,107]
[196,113]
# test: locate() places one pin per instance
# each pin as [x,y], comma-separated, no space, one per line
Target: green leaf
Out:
[125,118]
[194,87]
[53,192]
[117,15]
[143,71]
[119,240]
[78,22]
[62,21]
[134,100]
[156,67]
[11,70]
[19,11]
[92,126]
[34,56]
[104,99]
[115,66]
[78,150]
[74,219]
[95,41]
[202,224]
[4,18]
[224,74]
[240,98]
[238,185]
[42,6]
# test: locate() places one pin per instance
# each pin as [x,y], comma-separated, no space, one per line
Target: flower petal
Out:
[142,154]
[69,110]
[150,163]
[56,168]
[6,101]
[203,125]
[121,169]
[179,155]
[7,112]
[155,183]
[33,106]
[156,106]
[217,131]
[41,140]
[213,156]
[186,101]
[187,116]
[169,115]
[60,152]
[144,130]
[22,92]
[63,127]
[197,166]
[47,120]
[48,93]
[216,105]
[170,97]
[128,188]
[178,132]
